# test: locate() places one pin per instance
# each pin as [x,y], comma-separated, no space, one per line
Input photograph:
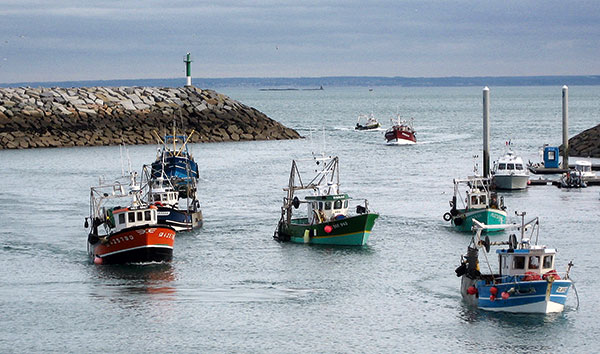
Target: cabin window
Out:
[518,262]
[510,166]
[122,218]
[547,262]
[519,166]
[131,217]
[327,205]
[534,262]
[320,205]
[140,216]
[337,204]
[147,215]
[502,166]
[163,197]
[474,200]
[346,204]
[482,200]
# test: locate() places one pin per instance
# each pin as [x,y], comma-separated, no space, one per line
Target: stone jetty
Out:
[91,116]
[585,144]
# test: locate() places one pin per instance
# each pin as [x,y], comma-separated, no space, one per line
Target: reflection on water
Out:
[153,278]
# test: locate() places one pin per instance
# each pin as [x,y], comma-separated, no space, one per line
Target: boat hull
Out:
[538,296]
[399,137]
[350,231]
[134,245]
[463,221]
[368,127]
[180,220]
[508,182]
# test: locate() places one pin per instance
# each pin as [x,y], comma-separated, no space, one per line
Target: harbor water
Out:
[232,288]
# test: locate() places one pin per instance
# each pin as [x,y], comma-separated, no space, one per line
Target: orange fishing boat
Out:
[129,234]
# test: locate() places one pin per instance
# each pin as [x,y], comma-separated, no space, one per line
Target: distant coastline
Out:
[302,83]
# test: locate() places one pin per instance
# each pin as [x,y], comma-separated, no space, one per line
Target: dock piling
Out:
[486,131]
[565,126]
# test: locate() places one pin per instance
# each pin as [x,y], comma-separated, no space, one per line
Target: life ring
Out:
[447,217]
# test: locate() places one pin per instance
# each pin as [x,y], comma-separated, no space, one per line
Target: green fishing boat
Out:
[328,220]
[479,204]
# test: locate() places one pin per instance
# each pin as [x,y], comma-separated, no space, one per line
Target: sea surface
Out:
[232,288]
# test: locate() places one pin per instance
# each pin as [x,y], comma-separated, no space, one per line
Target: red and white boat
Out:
[401,132]
[128,234]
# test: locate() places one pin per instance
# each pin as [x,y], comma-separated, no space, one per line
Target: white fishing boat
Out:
[526,280]
[509,172]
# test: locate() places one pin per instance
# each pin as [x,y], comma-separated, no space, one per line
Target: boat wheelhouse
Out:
[509,172]
[479,204]
[129,234]
[585,168]
[401,132]
[526,280]
[328,220]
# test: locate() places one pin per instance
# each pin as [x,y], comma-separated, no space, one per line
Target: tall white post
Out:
[565,126]
[486,132]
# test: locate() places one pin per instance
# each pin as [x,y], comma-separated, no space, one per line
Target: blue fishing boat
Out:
[171,183]
[526,280]
[479,204]
[174,161]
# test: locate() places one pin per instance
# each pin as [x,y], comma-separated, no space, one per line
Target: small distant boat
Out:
[328,220]
[479,204]
[126,234]
[526,280]
[509,172]
[401,132]
[371,123]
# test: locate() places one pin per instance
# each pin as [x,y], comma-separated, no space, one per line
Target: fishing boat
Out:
[125,234]
[174,161]
[509,172]
[479,204]
[526,280]
[401,132]
[327,220]
[183,214]
[371,123]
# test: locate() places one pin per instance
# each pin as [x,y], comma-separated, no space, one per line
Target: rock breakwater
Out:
[90,116]
[585,144]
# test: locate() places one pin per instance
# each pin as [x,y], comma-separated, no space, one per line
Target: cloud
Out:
[239,38]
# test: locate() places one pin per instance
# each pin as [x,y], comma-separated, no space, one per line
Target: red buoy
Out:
[505,295]
[471,290]
[97,260]
[328,228]
[494,290]
[492,298]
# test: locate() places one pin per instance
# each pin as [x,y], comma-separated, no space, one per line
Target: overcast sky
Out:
[48,40]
